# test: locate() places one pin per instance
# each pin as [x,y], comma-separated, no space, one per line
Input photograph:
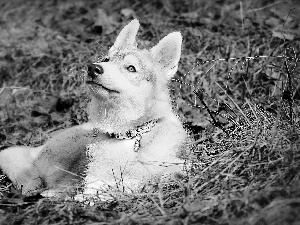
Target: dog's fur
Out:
[121,99]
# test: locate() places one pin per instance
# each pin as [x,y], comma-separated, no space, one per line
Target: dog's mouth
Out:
[100,85]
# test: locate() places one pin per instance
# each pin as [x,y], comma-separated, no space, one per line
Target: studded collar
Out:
[132,133]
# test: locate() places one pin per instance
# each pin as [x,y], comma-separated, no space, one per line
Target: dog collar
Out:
[132,133]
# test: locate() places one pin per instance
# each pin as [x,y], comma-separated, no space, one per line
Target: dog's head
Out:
[134,77]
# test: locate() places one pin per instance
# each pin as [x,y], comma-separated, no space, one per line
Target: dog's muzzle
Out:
[94,70]
[93,73]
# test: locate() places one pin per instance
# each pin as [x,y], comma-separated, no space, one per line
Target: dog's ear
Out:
[167,52]
[127,36]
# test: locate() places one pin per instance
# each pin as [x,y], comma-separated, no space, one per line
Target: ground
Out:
[237,88]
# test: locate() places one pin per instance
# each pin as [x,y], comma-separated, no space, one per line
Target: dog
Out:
[132,135]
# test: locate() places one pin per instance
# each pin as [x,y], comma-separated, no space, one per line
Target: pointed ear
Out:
[127,36]
[167,52]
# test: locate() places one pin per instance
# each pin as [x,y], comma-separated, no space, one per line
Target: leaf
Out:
[46,105]
[283,34]
[43,119]
[128,13]
[57,117]
[5,95]
[104,23]
[273,22]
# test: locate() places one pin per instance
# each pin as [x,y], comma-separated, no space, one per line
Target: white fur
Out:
[77,154]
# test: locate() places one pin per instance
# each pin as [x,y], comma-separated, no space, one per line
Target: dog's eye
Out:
[105,59]
[131,69]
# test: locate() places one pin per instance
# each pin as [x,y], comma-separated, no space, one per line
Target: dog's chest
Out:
[112,159]
[112,162]
[110,152]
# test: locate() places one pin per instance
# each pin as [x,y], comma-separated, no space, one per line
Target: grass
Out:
[237,86]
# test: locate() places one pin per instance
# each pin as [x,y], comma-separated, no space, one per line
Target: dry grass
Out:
[237,86]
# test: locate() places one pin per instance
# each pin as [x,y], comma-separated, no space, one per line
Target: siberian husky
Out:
[132,135]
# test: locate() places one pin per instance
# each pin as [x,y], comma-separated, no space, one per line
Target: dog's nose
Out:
[94,70]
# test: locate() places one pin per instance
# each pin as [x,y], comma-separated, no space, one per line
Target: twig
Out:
[289,92]
[242,15]
[267,6]
[215,122]
[234,103]
[162,211]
